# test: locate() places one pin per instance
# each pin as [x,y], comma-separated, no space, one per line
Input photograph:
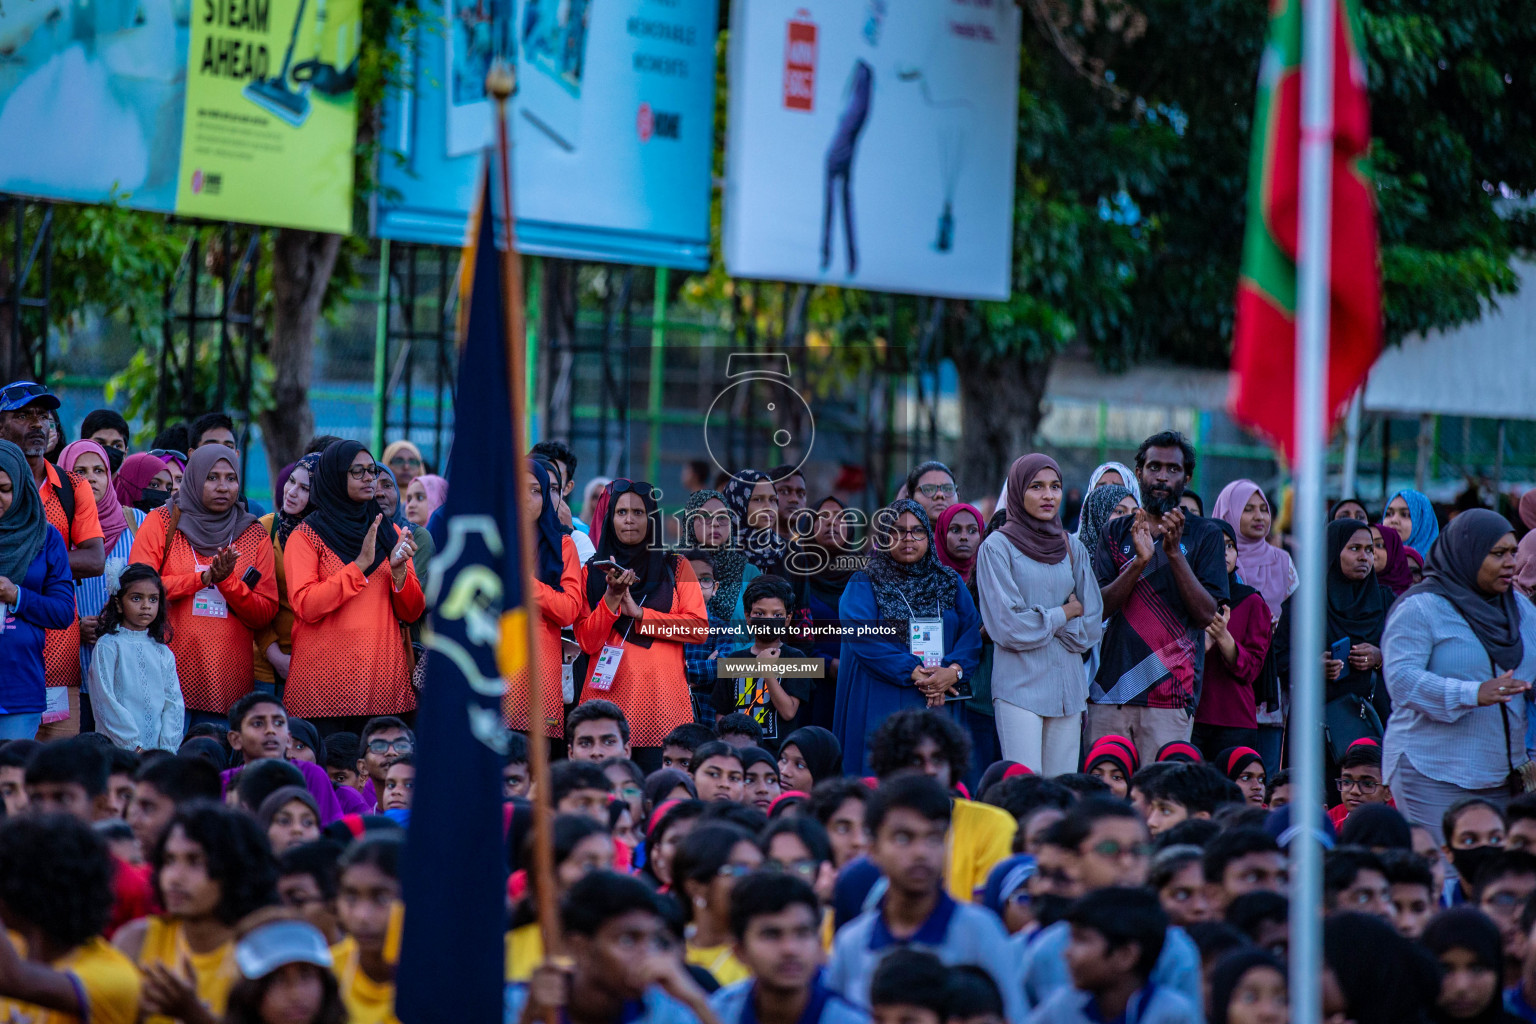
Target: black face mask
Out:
[1049,908]
[115,458]
[151,499]
[1471,860]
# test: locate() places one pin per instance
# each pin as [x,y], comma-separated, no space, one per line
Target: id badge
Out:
[57,698]
[208,603]
[927,641]
[606,669]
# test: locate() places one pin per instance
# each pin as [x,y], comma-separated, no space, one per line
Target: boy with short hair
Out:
[399,782]
[515,775]
[56,895]
[908,818]
[1500,890]
[122,765]
[936,745]
[342,752]
[1117,938]
[838,803]
[597,730]
[1183,792]
[258,729]
[1520,817]
[1412,885]
[161,787]
[739,730]
[778,704]
[580,787]
[1360,782]
[1277,789]
[384,740]
[1107,847]
[621,971]
[309,880]
[1355,881]
[678,746]
[910,986]
[1243,860]
[776,924]
[972,997]
[13,775]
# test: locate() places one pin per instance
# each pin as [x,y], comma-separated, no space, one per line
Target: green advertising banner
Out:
[238,110]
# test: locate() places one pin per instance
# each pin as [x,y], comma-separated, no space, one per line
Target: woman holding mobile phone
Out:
[642,605]
[205,546]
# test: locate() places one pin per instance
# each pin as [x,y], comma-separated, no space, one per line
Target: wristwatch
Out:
[959,672]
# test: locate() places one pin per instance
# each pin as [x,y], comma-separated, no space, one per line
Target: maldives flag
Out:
[1264,346]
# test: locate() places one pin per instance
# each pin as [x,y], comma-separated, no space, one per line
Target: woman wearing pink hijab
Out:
[1525,555]
[1261,565]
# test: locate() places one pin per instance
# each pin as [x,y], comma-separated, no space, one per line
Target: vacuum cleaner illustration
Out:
[332,71]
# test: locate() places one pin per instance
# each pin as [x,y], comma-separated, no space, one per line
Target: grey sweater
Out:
[1038,663]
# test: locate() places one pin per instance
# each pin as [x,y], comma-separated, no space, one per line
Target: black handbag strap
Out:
[1509,752]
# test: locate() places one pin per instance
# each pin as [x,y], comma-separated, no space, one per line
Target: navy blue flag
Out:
[454,876]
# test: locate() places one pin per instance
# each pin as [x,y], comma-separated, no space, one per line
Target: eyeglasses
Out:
[735,870]
[1115,850]
[803,868]
[168,453]
[1366,786]
[937,490]
[363,472]
[1504,901]
[405,460]
[400,746]
[913,534]
[622,486]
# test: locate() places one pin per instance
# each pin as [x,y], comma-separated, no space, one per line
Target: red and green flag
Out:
[1264,343]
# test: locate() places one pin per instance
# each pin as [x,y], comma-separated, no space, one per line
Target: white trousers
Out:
[1047,746]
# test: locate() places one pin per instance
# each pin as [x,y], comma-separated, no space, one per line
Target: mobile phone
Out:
[251,577]
[1339,649]
[606,564]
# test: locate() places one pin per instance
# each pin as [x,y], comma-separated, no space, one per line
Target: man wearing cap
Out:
[25,408]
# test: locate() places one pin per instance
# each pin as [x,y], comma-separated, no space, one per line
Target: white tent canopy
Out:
[1485,369]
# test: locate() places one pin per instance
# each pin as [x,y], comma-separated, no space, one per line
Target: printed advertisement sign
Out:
[871,143]
[240,110]
[612,128]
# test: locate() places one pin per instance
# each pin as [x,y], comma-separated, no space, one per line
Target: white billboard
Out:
[871,143]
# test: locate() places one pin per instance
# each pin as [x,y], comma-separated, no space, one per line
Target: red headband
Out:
[1179,748]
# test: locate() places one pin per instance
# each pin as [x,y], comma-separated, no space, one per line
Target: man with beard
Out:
[1163,574]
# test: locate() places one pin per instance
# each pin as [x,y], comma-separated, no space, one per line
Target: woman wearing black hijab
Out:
[1460,655]
[641,608]
[1471,955]
[352,586]
[557,592]
[808,756]
[1239,640]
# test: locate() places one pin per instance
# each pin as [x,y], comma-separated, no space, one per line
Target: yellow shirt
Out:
[980,835]
[367,1001]
[214,971]
[104,976]
[525,951]
[719,961]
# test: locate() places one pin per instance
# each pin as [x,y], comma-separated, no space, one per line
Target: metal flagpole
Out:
[1311,386]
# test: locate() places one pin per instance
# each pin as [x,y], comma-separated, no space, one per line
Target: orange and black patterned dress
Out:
[349,658]
[214,653]
[61,647]
[557,609]
[651,686]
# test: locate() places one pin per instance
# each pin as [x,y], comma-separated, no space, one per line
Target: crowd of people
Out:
[946,762]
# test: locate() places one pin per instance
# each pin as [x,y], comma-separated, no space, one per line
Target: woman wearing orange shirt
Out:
[558,593]
[274,644]
[647,608]
[351,585]
[219,579]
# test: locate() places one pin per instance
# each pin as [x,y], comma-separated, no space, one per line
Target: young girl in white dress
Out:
[134,689]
